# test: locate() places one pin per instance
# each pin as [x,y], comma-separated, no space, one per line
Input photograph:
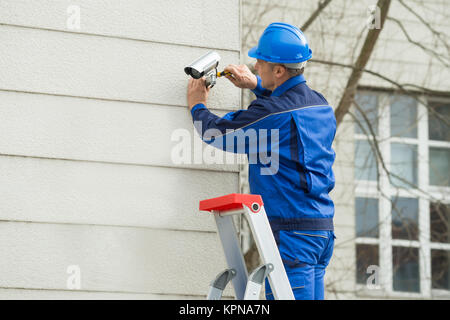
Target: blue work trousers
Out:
[305,256]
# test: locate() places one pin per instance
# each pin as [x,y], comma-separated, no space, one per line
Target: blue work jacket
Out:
[287,136]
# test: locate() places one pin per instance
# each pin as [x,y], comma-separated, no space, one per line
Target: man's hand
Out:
[197,92]
[241,76]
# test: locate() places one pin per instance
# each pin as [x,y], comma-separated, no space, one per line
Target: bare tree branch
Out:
[418,44]
[364,56]
[375,147]
[322,5]
[425,23]
[257,17]
[401,87]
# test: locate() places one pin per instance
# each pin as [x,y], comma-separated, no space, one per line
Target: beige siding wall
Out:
[85,148]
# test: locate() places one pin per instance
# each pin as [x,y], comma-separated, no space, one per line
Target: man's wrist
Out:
[254,85]
[258,90]
[197,106]
[192,105]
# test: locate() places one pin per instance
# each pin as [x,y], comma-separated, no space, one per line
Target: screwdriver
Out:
[223,73]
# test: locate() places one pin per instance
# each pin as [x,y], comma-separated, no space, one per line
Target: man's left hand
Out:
[197,92]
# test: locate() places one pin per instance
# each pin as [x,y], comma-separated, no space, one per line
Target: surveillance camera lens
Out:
[195,74]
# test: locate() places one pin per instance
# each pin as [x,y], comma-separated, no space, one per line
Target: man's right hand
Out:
[241,76]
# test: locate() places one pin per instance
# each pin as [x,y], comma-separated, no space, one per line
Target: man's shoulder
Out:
[295,98]
[304,96]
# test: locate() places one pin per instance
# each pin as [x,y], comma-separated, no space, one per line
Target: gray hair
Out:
[295,72]
[293,69]
[299,65]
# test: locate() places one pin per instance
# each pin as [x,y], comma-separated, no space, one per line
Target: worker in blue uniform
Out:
[298,128]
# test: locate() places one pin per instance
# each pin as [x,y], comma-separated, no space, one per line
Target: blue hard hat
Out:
[282,43]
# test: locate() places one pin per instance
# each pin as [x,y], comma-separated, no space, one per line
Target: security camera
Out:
[206,66]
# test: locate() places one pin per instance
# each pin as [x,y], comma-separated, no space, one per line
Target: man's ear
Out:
[279,71]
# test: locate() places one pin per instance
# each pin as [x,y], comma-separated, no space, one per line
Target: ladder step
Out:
[251,205]
[231,202]
[256,280]
[219,283]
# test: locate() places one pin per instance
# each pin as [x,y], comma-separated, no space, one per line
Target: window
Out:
[440,234]
[366,256]
[439,223]
[366,217]
[439,136]
[403,117]
[440,273]
[438,119]
[406,269]
[402,192]
[367,104]
[405,218]
[365,162]
[404,165]
[440,167]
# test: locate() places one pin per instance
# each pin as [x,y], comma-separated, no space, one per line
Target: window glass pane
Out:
[403,117]
[405,269]
[366,217]
[367,102]
[365,165]
[404,165]
[440,269]
[405,218]
[439,222]
[366,255]
[439,167]
[438,121]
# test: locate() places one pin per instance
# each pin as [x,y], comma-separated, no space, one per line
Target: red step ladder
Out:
[246,287]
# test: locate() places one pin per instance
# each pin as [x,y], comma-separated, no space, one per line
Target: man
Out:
[296,194]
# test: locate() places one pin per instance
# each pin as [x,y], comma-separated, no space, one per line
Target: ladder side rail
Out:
[268,251]
[232,250]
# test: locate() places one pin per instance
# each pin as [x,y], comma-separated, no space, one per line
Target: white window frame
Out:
[368,189]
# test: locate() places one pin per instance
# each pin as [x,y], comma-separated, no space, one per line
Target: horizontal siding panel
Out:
[107,68]
[343,194]
[340,13]
[36,256]
[37,294]
[429,76]
[336,36]
[108,194]
[345,233]
[344,215]
[192,23]
[86,143]
[97,130]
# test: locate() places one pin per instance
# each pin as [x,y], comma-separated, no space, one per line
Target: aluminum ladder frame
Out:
[246,287]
